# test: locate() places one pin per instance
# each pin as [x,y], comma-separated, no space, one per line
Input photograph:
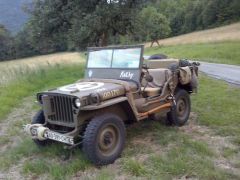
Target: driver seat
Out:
[160,77]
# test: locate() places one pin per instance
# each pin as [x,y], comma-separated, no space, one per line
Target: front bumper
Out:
[38,131]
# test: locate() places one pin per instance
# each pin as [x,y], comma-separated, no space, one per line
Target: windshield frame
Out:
[141,47]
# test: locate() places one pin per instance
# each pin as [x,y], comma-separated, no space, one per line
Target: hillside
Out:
[215,52]
[12,15]
[10,70]
[224,33]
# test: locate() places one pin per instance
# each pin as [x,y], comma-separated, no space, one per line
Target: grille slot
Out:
[62,110]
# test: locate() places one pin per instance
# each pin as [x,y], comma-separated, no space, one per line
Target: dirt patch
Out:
[11,127]
[215,142]
[14,172]
[112,170]
[197,132]
[24,111]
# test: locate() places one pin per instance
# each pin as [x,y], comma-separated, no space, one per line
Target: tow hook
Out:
[37,131]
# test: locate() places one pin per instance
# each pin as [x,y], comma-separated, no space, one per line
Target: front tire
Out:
[180,112]
[40,119]
[104,139]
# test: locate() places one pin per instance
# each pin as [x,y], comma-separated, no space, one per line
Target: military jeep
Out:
[119,87]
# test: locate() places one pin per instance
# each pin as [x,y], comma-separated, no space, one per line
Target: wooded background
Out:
[72,25]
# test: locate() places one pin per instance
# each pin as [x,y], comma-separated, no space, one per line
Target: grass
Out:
[12,94]
[229,152]
[11,70]
[217,105]
[169,153]
[134,167]
[50,160]
[24,149]
[56,169]
[219,34]
[152,150]
[180,162]
[176,155]
[221,52]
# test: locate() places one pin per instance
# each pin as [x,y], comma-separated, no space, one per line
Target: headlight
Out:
[77,103]
[39,99]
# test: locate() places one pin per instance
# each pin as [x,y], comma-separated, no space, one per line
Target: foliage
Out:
[101,20]
[63,25]
[151,25]
[5,43]
[190,15]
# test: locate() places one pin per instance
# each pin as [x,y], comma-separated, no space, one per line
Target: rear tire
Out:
[180,112]
[104,139]
[40,119]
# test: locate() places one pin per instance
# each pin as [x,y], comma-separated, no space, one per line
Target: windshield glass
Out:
[100,59]
[114,58]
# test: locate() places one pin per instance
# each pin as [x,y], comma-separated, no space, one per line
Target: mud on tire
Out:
[104,139]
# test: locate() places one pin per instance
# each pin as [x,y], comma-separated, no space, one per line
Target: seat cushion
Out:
[151,91]
[160,76]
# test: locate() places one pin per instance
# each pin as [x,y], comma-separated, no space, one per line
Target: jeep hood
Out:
[105,90]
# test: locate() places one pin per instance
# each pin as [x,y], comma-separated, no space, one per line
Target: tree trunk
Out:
[153,41]
[104,39]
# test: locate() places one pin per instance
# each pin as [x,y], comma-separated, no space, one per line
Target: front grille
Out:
[62,110]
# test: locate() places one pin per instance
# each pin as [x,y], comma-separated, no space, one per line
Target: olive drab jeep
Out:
[119,87]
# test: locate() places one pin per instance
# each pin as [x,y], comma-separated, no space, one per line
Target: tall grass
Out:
[15,69]
[28,82]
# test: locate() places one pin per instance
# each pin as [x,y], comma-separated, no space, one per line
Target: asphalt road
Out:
[229,73]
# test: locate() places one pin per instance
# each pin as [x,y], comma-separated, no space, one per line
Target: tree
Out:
[49,25]
[6,44]
[152,25]
[101,20]
[74,24]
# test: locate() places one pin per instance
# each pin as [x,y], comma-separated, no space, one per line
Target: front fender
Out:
[104,104]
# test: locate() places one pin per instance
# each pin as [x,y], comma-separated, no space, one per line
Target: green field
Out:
[29,83]
[206,148]
[221,52]
[152,149]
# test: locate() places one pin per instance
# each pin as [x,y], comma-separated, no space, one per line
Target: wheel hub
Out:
[181,107]
[108,139]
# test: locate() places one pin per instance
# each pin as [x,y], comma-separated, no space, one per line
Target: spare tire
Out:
[158,56]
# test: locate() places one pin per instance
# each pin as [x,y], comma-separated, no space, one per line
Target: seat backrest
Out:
[160,76]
